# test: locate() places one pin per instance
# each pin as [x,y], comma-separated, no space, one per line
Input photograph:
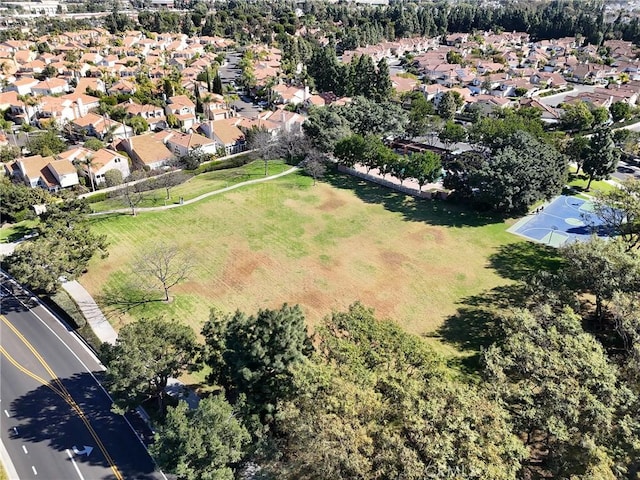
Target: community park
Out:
[422,263]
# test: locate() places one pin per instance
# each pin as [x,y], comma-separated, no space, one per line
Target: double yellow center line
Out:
[59,388]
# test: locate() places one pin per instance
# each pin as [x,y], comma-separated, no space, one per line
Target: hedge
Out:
[223,164]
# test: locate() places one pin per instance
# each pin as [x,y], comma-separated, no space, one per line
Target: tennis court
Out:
[564,219]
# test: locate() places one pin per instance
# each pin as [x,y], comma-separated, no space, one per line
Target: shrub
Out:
[98,197]
[223,164]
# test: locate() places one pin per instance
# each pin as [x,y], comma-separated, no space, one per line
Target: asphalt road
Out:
[229,72]
[56,418]
[626,170]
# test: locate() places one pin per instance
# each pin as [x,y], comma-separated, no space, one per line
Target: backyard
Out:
[322,246]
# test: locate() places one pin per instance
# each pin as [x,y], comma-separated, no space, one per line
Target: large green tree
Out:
[602,158]
[46,143]
[512,178]
[62,248]
[146,354]
[325,128]
[563,393]
[203,443]
[17,199]
[253,355]
[619,209]
[601,268]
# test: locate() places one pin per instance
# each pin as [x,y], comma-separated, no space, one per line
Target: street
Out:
[56,417]
[230,72]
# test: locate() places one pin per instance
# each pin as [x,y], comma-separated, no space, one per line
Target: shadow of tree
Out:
[521,260]
[19,231]
[477,323]
[434,212]
[120,298]
[46,417]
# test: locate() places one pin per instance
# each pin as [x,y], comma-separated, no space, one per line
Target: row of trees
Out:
[371,153]
[352,27]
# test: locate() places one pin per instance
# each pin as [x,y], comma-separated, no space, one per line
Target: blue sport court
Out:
[565,219]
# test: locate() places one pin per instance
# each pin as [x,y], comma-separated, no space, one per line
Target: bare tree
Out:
[315,164]
[131,196]
[164,264]
[170,180]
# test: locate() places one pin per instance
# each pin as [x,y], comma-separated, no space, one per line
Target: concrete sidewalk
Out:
[90,310]
[106,333]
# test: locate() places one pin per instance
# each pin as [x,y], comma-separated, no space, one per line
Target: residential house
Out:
[100,163]
[44,172]
[182,144]
[23,85]
[548,114]
[153,114]
[50,86]
[285,94]
[146,151]
[122,87]
[184,110]
[101,127]
[226,134]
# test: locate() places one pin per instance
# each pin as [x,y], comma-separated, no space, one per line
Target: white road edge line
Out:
[24,449]
[35,472]
[75,465]
[86,368]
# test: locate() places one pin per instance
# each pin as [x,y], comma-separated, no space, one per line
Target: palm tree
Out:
[88,162]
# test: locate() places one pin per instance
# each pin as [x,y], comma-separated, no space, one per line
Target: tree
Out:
[350,150]
[139,124]
[452,133]
[382,88]
[376,402]
[164,265]
[259,354]
[619,210]
[17,199]
[325,128]
[563,393]
[577,150]
[131,196]
[600,268]
[576,116]
[93,144]
[602,157]
[620,111]
[113,177]
[62,248]
[47,143]
[600,116]
[512,178]
[425,167]
[216,85]
[454,57]
[366,117]
[200,443]
[146,354]
[447,106]
[170,180]
[315,164]
[419,114]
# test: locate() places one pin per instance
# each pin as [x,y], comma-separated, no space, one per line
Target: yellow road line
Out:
[63,392]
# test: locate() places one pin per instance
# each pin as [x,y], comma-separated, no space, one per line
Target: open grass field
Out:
[324,247]
[579,183]
[198,185]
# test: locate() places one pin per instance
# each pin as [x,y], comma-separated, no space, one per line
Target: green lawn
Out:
[198,185]
[579,183]
[15,231]
[418,262]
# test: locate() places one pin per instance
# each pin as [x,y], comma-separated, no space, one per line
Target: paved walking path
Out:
[106,333]
[200,197]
